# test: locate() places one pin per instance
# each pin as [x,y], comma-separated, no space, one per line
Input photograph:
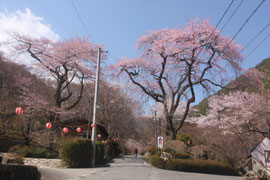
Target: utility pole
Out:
[109,127]
[93,137]
[89,123]
[159,127]
[155,118]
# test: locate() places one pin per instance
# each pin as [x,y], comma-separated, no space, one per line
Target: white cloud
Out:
[24,23]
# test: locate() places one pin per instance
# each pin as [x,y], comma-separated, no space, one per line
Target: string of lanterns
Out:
[19,111]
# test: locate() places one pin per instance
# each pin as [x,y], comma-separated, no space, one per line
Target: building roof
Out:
[258,151]
[74,122]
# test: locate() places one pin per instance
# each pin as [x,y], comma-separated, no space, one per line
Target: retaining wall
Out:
[18,172]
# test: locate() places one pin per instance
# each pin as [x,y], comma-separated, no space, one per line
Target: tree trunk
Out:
[26,141]
[170,130]
[170,134]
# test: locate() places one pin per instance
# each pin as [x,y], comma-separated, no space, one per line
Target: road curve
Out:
[126,168]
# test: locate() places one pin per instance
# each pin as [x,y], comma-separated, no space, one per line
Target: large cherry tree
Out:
[240,113]
[69,61]
[173,62]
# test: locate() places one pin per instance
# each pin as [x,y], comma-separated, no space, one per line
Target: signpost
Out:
[160,142]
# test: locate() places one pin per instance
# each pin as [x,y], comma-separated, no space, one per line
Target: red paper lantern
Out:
[78,129]
[48,125]
[65,130]
[92,125]
[188,142]
[99,136]
[19,110]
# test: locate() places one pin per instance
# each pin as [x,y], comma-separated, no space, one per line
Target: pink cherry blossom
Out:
[172,62]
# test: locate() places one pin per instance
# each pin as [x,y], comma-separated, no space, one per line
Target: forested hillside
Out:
[36,95]
[241,83]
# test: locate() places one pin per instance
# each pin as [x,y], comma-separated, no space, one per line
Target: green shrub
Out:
[64,140]
[157,161]
[184,138]
[200,166]
[14,149]
[76,153]
[158,152]
[151,149]
[38,152]
[182,156]
[168,150]
[116,148]
[100,153]
[33,152]
[111,149]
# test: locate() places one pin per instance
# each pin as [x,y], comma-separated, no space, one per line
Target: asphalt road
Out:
[126,168]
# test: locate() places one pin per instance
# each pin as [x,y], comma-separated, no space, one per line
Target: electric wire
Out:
[231,16]
[257,46]
[255,37]
[241,28]
[229,19]
[216,26]
[78,14]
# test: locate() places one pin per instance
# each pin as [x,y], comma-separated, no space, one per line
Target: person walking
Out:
[135,152]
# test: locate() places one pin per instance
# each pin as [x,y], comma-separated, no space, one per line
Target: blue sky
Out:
[118,23]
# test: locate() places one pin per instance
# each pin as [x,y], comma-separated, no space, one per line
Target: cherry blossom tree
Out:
[18,87]
[8,92]
[69,61]
[35,111]
[116,110]
[239,113]
[173,62]
[34,103]
[242,114]
[233,111]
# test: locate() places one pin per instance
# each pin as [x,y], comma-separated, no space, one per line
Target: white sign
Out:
[160,142]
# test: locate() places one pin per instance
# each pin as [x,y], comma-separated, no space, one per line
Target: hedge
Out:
[33,152]
[168,150]
[184,138]
[157,161]
[76,153]
[182,156]
[100,153]
[151,149]
[200,166]
[112,149]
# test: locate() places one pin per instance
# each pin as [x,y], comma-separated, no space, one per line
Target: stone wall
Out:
[18,172]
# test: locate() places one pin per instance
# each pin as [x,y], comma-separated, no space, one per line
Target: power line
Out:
[85,28]
[255,37]
[257,45]
[246,22]
[216,26]
[242,27]
[231,15]
[113,56]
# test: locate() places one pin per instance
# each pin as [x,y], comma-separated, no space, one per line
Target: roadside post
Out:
[160,142]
